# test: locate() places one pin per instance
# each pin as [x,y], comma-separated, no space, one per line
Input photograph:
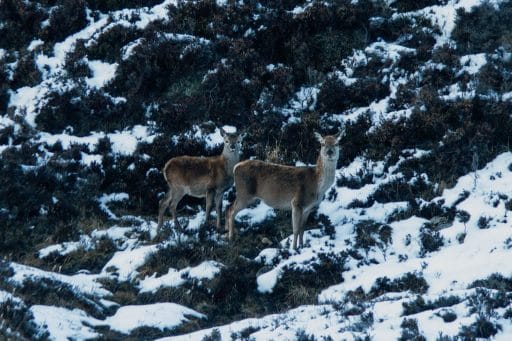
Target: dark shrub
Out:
[482,28]
[91,260]
[112,5]
[17,322]
[419,304]
[109,45]
[431,240]
[370,234]
[483,222]
[482,328]
[26,73]
[410,331]
[409,6]
[67,18]
[93,111]
[495,281]
[410,281]
[22,20]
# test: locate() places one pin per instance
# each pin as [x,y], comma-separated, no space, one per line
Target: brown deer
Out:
[201,177]
[299,189]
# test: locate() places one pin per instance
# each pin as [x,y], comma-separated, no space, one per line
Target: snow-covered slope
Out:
[411,242]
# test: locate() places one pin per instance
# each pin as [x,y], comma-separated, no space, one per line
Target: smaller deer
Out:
[299,189]
[201,177]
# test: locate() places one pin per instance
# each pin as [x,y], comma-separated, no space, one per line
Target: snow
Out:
[389,51]
[67,247]
[320,320]
[102,73]
[108,198]
[82,283]
[27,99]
[124,142]
[454,92]
[128,49]
[298,260]
[257,214]
[6,296]
[89,159]
[506,96]
[35,44]
[304,99]
[175,278]
[5,122]
[123,264]
[158,315]
[444,16]
[472,63]
[448,271]
[483,252]
[62,323]
[214,139]
[185,37]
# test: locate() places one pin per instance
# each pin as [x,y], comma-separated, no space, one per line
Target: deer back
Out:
[196,173]
[277,185]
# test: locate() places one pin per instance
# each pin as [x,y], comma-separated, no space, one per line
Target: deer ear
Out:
[319,137]
[222,132]
[242,136]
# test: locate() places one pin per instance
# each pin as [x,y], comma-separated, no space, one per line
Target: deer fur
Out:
[299,189]
[201,177]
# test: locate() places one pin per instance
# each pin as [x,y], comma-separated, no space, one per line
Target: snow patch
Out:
[158,315]
[102,73]
[64,324]
[108,198]
[174,278]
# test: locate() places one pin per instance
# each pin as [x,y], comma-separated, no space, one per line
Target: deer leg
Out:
[237,206]
[164,203]
[297,213]
[177,195]
[209,204]
[303,222]
[218,208]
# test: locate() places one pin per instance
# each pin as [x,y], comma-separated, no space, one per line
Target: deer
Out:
[201,177]
[299,189]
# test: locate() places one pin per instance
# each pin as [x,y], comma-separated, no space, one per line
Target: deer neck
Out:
[230,160]
[325,172]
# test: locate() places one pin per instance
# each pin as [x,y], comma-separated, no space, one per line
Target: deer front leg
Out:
[177,195]
[297,213]
[303,222]
[218,208]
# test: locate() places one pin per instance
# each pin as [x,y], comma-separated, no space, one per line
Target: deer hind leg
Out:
[239,204]
[218,208]
[297,215]
[164,203]
[177,195]
[209,204]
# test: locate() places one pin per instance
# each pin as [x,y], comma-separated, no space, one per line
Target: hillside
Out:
[411,242]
